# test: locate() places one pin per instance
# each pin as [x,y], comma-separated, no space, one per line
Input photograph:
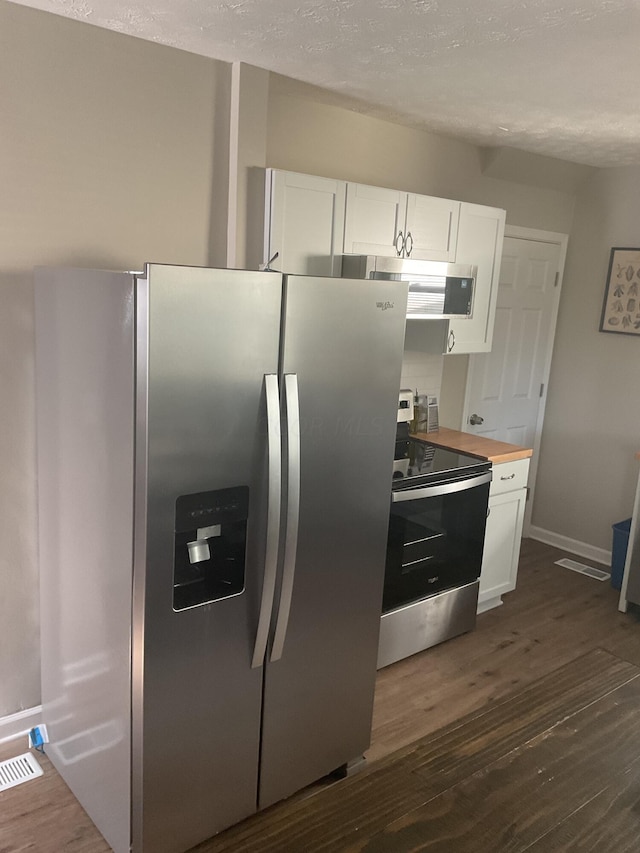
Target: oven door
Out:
[436,538]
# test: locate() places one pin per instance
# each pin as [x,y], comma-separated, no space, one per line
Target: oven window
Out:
[434,544]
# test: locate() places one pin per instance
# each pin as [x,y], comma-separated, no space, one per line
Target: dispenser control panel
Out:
[206,508]
[210,546]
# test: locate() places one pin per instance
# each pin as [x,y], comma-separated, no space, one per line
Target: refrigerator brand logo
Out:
[384,305]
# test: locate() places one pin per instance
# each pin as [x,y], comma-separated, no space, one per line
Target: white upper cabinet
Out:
[312,221]
[387,222]
[304,223]
[374,221]
[480,237]
[431,229]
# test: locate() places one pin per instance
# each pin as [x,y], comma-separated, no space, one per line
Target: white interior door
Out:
[507,387]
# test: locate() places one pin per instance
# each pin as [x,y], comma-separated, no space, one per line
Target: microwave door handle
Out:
[293,513]
[443,489]
[273,517]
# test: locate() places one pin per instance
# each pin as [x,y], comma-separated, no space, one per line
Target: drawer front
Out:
[508,476]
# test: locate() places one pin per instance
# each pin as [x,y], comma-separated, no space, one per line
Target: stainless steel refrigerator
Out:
[215,455]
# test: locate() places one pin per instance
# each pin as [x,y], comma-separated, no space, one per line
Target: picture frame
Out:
[621,305]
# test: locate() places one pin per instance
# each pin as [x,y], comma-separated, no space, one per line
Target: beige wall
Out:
[105,160]
[587,472]
[106,156]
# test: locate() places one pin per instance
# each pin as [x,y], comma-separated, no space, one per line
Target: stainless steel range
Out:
[439,502]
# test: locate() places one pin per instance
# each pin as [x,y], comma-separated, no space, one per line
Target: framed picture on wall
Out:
[621,306]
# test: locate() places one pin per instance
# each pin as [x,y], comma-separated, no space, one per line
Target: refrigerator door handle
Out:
[273,517]
[293,513]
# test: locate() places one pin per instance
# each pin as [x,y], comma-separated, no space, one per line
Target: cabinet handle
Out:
[399,243]
[451,341]
[408,248]
[510,477]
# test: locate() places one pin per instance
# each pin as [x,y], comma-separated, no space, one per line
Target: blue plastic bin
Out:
[619,551]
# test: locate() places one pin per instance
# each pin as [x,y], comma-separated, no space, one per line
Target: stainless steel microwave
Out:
[437,290]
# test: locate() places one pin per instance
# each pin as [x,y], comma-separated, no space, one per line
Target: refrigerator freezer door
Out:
[206,340]
[344,341]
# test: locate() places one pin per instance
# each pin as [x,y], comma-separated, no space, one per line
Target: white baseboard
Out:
[16,725]
[580,549]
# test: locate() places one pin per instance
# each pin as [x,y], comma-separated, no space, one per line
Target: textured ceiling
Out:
[556,78]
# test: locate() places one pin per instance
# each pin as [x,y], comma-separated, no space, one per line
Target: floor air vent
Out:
[598,574]
[17,770]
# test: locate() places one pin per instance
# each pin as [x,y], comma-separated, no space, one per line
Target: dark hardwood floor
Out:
[538,771]
[554,616]
[523,735]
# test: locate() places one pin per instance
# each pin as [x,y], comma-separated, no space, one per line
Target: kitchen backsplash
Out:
[422,371]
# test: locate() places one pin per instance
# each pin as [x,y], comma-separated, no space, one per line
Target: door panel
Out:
[433,226]
[212,335]
[346,348]
[307,223]
[480,234]
[374,218]
[507,386]
[505,383]
[502,544]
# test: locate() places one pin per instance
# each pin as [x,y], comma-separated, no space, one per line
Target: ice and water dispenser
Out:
[210,546]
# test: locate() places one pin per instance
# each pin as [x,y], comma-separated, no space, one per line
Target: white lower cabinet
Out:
[507,500]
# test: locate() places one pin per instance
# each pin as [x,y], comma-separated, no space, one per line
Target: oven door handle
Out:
[443,489]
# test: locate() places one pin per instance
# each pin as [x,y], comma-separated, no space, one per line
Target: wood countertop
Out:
[476,445]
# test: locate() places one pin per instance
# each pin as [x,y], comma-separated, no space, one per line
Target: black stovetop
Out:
[417,463]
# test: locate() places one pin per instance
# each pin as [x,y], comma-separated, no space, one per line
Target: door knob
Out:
[475,420]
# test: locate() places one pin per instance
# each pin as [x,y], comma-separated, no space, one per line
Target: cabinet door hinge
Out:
[555,284]
[528,492]
[541,389]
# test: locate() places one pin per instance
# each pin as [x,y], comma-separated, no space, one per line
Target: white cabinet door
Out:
[480,238]
[374,221]
[431,228]
[507,502]
[501,547]
[305,223]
